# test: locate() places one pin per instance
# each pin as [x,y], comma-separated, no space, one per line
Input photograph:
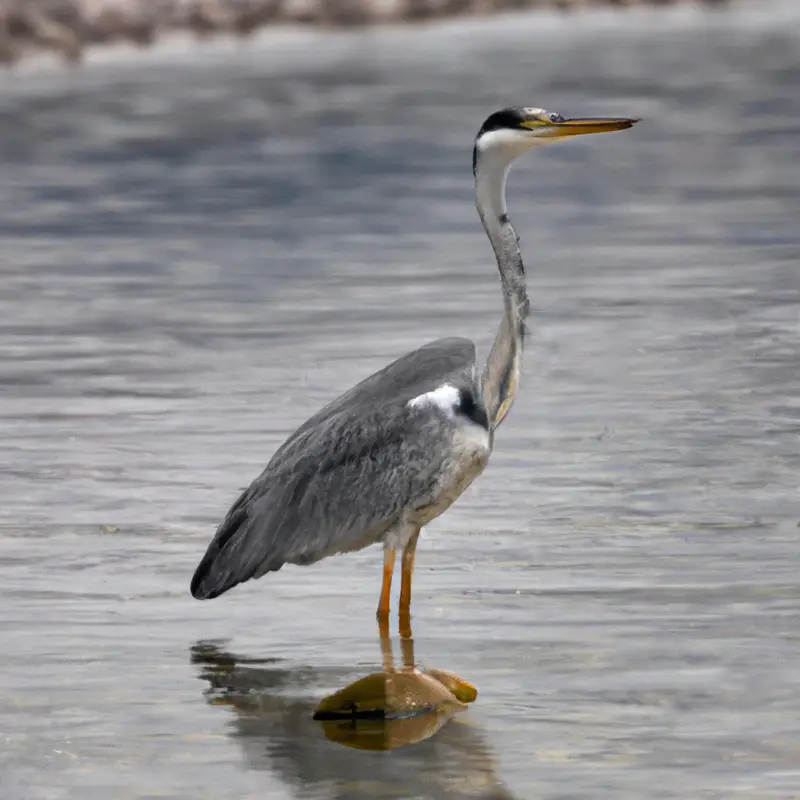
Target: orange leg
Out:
[405,586]
[386,588]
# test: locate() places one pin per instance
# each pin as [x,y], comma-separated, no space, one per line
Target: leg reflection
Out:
[462,690]
[386,645]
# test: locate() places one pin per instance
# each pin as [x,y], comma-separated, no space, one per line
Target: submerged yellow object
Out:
[386,710]
[388,695]
[463,690]
[394,707]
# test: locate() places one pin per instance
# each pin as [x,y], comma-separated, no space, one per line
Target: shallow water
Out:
[202,246]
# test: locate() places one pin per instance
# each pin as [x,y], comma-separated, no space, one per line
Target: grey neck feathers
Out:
[502,370]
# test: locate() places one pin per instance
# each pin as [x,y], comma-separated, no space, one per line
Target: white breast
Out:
[467,455]
[471,438]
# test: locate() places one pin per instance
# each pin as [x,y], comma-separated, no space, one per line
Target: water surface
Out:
[201,246]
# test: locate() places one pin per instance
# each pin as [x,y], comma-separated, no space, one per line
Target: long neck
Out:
[502,370]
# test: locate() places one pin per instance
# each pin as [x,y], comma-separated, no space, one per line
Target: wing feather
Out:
[340,487]
[344,477]
[417,372]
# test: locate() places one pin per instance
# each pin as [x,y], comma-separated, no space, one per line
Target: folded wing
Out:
[344,477]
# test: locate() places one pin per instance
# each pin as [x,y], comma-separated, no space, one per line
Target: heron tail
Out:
[221,568]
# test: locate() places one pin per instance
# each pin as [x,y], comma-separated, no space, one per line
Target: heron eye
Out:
[556,118]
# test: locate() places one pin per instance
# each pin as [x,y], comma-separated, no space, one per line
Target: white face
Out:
[515,141]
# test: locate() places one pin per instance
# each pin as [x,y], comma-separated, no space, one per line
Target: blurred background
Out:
[202,242]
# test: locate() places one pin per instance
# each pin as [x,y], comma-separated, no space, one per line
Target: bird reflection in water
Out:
[274,707]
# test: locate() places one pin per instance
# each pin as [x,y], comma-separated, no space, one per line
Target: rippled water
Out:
[201,246]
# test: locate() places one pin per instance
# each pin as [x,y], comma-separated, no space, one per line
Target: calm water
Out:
[202,246]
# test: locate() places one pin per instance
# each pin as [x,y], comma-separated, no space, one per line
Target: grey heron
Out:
[381,461]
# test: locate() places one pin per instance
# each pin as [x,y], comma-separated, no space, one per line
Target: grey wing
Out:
[334,487]
[417,372]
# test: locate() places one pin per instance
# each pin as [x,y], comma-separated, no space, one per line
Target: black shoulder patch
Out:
[468,407]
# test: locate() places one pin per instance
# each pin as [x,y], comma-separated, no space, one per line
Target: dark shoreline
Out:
[68,27]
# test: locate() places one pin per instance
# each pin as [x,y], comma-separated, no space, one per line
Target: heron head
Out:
[512,131]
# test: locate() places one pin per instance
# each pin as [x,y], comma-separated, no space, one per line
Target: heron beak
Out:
[578,127]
